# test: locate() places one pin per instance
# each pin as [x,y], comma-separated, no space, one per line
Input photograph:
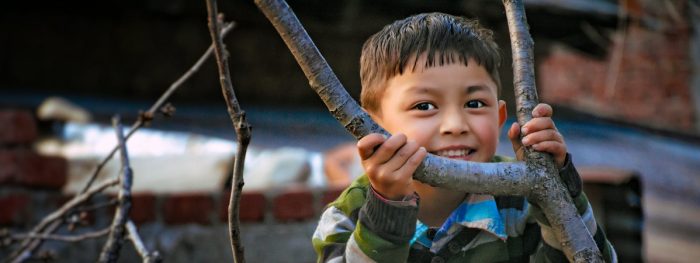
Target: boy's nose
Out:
[454,123]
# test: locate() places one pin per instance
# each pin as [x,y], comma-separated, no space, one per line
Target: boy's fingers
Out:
[387,149]
[514,136]
[556,149]
[543,136]
[538,124]
[542,110]
[367,145]
[413,162]
[514,132]
[401,156]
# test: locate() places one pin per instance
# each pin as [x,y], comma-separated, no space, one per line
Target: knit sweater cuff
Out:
[394,221]
[570,177]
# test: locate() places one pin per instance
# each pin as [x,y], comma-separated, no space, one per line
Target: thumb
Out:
[514,136]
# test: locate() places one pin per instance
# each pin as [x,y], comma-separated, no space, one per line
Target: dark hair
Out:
[444,38]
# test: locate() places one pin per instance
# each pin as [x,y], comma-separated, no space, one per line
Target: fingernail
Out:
[385,137]
[525,131]
[526,141]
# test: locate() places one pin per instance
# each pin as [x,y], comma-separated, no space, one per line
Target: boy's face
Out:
[451,110]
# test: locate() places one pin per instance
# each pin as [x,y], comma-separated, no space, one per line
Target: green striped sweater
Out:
[361,226]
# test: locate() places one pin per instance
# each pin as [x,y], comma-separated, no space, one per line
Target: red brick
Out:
[17,127]
[252,207]
[14,208]
[293,204]
[27,168]
[652,79]
[143,208]
[188,208]
[330,195]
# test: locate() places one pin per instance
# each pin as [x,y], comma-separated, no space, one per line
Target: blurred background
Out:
[622,76]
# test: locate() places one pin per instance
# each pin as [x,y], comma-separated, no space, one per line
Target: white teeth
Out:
[453,153]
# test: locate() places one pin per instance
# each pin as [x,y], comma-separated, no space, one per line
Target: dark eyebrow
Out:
[474,89]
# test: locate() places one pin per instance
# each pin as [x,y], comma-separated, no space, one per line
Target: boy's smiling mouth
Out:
[456,152]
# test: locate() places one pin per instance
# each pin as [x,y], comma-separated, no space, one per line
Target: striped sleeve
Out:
[362,227]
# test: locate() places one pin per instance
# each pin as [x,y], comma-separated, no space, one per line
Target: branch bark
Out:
[551,195]
[486,178]
[148,257]
[110,251]
[240,124]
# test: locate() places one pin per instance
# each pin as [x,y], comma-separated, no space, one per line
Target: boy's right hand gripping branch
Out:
[390,163]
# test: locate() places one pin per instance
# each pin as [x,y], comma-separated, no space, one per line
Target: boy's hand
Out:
[541,134]
[390,163]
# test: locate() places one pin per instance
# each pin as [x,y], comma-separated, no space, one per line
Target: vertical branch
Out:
[576,240]
[148,257]
[243,129]
[110,251]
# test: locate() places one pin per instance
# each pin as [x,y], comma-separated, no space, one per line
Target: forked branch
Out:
[110,251]
[487,178]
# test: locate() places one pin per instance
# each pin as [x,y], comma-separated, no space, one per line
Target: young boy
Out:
[432,81]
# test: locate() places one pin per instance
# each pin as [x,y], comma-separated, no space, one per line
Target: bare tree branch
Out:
[66,238]
[146,117]
[110,251]
[552,196]
[487,178]
[51,222]
[148,257]
[243,129]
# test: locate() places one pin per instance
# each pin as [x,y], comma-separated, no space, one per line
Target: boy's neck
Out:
[436,204]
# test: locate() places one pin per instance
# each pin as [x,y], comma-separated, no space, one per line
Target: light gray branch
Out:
[148,257]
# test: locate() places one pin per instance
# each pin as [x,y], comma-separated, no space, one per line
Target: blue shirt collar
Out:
[476,211]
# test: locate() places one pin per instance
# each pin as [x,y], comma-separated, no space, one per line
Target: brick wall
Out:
[645,78]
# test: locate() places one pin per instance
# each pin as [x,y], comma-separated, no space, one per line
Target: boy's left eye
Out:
[474,104]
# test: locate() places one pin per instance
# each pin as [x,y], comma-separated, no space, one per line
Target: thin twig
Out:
[110,251]
[618,52]
[96,206]
[243,129]
[51,222]
[148,257]
[148,116]
[66,238]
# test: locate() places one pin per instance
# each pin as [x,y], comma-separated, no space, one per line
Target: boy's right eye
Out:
[423,106]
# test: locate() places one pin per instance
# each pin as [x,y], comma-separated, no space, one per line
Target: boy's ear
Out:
[502,113]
